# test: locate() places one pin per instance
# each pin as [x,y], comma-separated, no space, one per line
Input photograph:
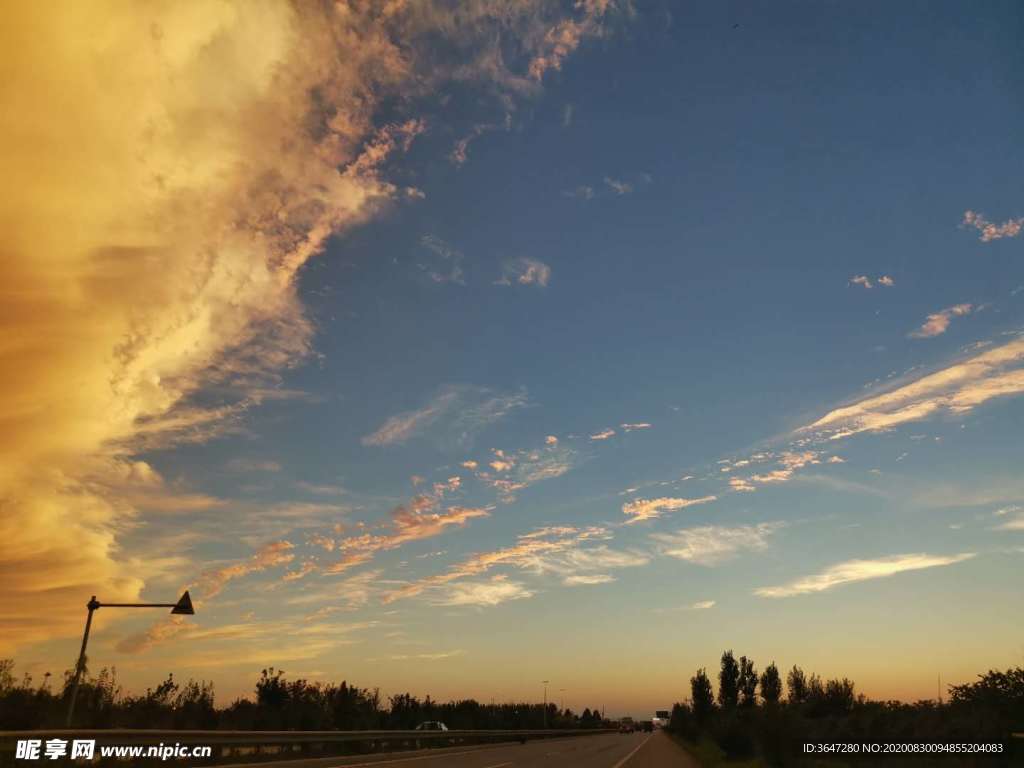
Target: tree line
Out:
[748,717]
[278,703]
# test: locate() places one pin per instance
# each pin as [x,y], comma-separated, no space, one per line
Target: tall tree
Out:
[728,682]
[771,685]
[703,696]
[796,683]
[747,682]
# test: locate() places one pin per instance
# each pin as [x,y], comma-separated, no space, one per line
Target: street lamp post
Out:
[545,703]
[182,607]
[561,699]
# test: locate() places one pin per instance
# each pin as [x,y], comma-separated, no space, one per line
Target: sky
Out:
[451,349]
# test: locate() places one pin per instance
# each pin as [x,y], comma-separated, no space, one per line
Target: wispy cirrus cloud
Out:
[649,509]
[301,572]
[861,570]
[938,322]
[635,426]
[700,605]
[580,580]
[212,582]
[525,271]
[438,656]
[403,426]
[532,551]
[346,594]
[207,586]
[618,186]
[1015,513]
[515,471]
[497,590]
[788,462]
[991,231]
[956,389]
[604,434]
[253,465]
[418,520]
[714,544]
[247,634]
[447,267]
[321,489]
[458,412]
[578,561]
[460,152]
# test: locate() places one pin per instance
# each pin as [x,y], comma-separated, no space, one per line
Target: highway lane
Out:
[611,750]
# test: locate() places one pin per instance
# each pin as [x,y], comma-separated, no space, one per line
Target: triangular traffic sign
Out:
[184,605]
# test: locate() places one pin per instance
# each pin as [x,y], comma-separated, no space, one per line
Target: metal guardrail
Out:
[129,736]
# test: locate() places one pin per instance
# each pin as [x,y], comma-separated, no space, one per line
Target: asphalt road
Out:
[612,750]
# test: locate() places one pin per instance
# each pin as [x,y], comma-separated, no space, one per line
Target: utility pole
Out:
[182,607]
[545,703]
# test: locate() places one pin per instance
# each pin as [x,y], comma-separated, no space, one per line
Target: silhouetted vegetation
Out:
[278,704]
[751,720]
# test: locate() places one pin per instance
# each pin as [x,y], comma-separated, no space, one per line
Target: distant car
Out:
[432,725]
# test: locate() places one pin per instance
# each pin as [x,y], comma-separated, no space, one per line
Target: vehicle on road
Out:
[626,725]
[432,725]
[661,718]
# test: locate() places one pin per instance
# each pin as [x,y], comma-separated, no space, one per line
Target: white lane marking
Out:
[499,765]
[639,746]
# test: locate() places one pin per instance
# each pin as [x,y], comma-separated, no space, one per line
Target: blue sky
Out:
[618,315]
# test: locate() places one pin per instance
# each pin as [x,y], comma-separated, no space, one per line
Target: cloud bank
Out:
[168,170]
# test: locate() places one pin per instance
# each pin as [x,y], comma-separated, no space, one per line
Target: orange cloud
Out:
[990,231]
[649,509]
[413,522]
[276,553]
[564,37]
[938,322]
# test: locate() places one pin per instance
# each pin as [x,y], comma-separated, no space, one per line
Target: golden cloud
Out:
[649,509]
[956,389]
[168,170]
